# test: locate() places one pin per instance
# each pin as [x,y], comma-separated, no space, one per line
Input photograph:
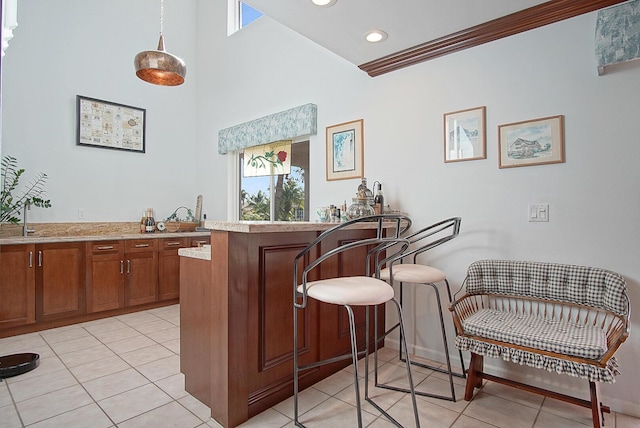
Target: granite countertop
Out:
[278,226]
[115,237]
[203,253]
[108,232]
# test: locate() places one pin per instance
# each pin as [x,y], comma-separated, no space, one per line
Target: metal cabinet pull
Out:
[39,258]
[105,247]
[121,266]
[128,266]
[168,244]
[141,245]
[30,259]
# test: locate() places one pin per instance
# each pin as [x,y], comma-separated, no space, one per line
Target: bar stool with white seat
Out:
[405,269]
[366,290]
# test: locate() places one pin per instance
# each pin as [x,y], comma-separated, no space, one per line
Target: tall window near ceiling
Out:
[277,197]
[247,14]
[240,15]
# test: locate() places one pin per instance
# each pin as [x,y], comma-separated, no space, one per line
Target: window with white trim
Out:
[283,197]
[240,15]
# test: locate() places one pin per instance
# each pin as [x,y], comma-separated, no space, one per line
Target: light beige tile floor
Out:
[124,371]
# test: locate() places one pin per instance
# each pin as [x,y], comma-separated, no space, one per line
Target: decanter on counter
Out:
[362,204]
[364,192]
[359,208]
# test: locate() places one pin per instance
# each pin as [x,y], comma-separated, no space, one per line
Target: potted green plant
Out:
[11,205]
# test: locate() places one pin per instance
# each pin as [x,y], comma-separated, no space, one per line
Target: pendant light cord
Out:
[161,17]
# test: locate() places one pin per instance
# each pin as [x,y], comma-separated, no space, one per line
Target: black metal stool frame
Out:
[412,254]
[380,244]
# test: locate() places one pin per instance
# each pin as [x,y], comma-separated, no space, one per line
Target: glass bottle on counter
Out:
[143,222]
[378,200]
[150,223]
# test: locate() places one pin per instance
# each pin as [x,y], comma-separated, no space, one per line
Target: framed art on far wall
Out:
[465,135]
[345,150]
[110,125]
[531,142]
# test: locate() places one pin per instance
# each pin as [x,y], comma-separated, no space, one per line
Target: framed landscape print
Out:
[345,151]
[531,142]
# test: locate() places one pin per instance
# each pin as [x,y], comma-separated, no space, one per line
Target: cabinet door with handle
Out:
[105,275]
[60,280]
[141,271]
[169,272]
[17,285]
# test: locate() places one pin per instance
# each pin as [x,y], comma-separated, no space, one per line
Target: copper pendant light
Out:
[160,67]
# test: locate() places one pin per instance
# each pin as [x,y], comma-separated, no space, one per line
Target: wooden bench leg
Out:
[597,413]
[474,380]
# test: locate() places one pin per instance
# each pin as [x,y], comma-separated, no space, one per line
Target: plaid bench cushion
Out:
[582,285]
[584,341]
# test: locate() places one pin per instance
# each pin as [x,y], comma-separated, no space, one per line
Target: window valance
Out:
[617,34]
[285,125]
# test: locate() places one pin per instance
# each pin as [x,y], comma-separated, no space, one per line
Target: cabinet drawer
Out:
[133,245]
[168,244]
[200,241]
[106,247]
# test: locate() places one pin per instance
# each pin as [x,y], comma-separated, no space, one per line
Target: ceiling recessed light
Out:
[324,3]
[376,36]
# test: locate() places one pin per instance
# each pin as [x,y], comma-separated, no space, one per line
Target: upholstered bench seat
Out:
[560,336]
[564,319]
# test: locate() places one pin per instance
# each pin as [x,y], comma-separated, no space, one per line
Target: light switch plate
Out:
[538,212]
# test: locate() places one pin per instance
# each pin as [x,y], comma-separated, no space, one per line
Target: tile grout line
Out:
[142,374]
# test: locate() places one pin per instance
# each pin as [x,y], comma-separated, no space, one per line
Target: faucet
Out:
[25,228]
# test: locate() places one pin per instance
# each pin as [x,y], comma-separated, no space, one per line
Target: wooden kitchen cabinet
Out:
[169,267]
[105,275]
[44,285]
[134,272]
[60,280]
[169,264]
[200,241]
[17,285]
[141,271]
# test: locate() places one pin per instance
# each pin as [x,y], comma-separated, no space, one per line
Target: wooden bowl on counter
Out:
[180,226]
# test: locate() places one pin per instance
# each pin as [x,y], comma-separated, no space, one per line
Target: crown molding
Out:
[508,25]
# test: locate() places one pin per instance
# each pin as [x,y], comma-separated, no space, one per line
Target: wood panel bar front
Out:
[236,320]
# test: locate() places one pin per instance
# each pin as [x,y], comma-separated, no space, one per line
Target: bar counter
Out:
[236,315]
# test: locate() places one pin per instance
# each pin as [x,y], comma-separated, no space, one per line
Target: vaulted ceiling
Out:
[418,30]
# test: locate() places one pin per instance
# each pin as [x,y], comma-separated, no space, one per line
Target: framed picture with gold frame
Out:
[345,150]
[531,142]
[465,136]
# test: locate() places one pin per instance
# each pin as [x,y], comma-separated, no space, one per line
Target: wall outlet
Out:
[538,212]
[80,213]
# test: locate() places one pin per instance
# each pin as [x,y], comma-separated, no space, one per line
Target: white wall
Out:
[594,196]
[66,48]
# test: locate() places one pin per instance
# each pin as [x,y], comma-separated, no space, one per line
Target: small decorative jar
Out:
[359,208]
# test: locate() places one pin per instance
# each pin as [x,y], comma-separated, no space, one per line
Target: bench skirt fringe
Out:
[586,371]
